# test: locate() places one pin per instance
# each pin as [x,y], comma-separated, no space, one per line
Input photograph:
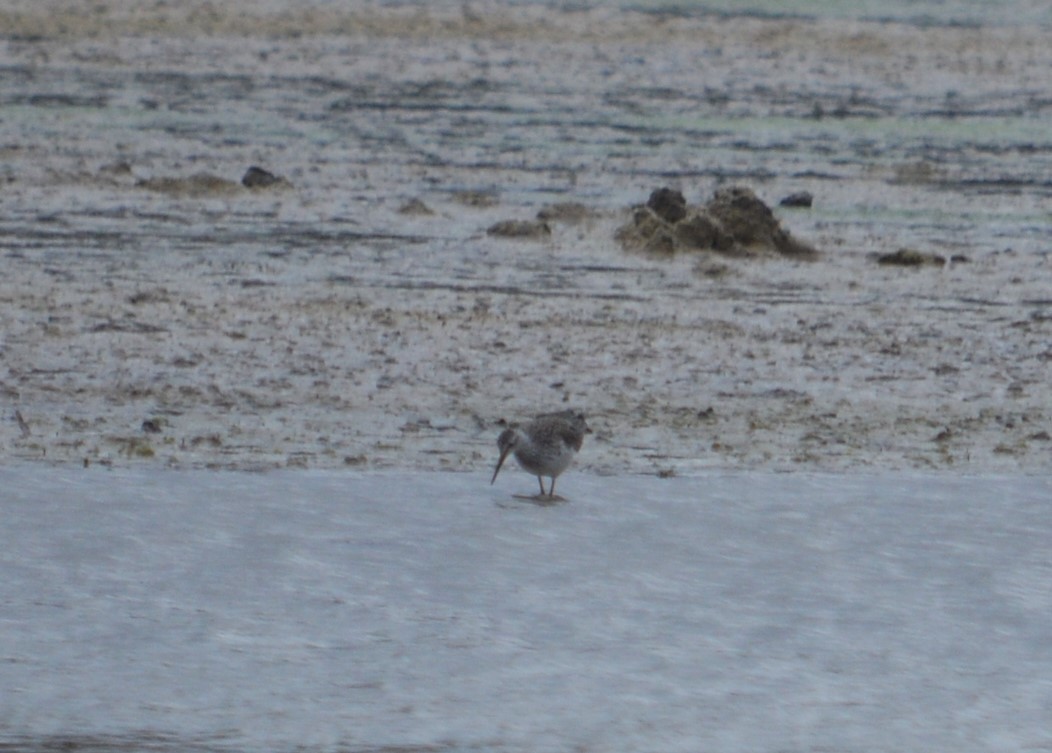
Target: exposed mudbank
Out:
[368,304]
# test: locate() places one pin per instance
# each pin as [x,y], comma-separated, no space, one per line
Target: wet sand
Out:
[155,311]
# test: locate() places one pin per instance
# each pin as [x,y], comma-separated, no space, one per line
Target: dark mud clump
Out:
[258,178]
[799,200]
[735,222]
[908,257]
[526,229]
[668,204]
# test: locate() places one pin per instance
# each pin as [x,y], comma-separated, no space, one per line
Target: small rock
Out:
[802,199]
[668,204]
[908,257]
[257,177]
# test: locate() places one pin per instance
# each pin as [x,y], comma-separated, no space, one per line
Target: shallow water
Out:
[341,611]
[317,324]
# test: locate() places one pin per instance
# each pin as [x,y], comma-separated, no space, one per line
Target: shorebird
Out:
[545,446]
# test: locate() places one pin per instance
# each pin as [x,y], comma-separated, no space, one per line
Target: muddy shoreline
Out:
[156,311]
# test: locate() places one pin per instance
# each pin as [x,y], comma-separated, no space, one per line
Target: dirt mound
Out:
[735,222]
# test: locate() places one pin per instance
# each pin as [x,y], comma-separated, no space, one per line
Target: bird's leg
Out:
[540,480]
[551,492]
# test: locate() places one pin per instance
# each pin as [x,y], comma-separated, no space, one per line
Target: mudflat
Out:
[351,309]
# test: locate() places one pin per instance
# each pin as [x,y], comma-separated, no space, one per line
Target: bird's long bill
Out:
[503,455]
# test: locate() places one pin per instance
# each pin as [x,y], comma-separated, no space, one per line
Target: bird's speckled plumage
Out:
[545,446]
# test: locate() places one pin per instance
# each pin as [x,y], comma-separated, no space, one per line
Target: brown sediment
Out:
[199,184]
